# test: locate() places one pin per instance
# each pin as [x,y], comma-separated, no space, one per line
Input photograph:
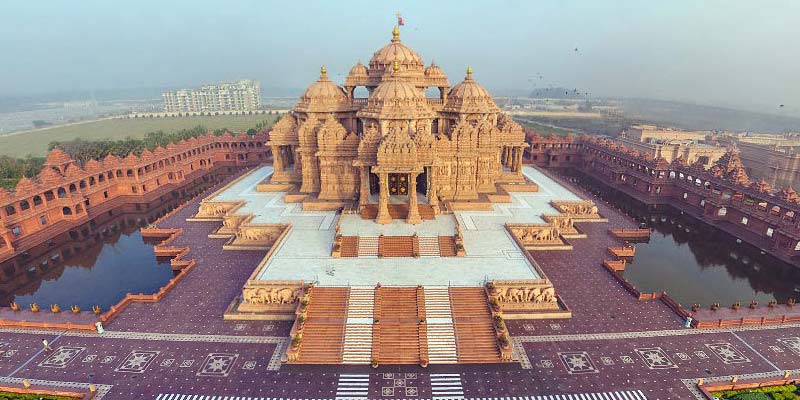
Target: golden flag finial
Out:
[323,72]
[395,66]
[469,72]
[396,33]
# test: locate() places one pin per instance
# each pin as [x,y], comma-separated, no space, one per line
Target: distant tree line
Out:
[13,169]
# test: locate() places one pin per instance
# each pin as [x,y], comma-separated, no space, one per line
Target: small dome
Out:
[322,96]
[395,51]
[470,97]
[434,76]
[358,70]
[396,90]
[433,71]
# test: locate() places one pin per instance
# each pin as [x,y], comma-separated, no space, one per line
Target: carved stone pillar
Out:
[433,197]
[413,204]
[297,159]
[277,160]
[363,193]
[309,172]
[518,161]
[383,200]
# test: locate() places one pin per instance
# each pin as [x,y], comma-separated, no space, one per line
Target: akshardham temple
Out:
[338,148]
[398,227]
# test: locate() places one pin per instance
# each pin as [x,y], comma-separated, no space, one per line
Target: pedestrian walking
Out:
[46,345]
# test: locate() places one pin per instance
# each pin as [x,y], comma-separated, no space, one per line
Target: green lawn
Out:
[35,143]
[545,130]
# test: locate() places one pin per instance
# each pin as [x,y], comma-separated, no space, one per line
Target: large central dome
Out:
[396,98]
[395,51]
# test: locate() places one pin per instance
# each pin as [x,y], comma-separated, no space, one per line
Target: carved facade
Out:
[722,195]
[65,190]
[337,147]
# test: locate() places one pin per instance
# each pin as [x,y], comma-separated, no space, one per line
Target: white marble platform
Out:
[305,252]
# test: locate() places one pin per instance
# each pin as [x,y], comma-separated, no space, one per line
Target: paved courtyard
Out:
[305,253]
[180,348]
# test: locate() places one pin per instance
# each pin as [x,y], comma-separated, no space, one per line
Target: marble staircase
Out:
[429,246]
[357,347]
[439,325]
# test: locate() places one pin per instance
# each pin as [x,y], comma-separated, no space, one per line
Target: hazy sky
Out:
[732,53]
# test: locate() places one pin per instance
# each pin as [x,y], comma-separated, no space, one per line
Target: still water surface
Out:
[695,263]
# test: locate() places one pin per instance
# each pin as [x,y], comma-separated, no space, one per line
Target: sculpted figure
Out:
[285,296]
[501,296]
[549,295]
[249,296]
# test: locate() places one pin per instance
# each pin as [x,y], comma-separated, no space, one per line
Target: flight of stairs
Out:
[396,338]
[475,336]
[440,332]
[368,246]
[447,246]
[437,323]
[396,246]
[322,335]
[349,246]
[429,246]
[358,328]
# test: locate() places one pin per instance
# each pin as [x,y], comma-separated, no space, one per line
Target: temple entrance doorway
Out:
[374,184]
[398,184]
[422,182]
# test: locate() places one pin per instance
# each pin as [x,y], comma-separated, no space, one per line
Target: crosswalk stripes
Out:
[446,386]
[352,387]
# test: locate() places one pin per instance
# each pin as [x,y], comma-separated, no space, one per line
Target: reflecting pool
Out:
[97,263]
[695,263]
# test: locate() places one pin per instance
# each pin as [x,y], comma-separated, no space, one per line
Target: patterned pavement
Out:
[614,347]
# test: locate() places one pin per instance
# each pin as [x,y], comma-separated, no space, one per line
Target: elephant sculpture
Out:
[537,295]
[265,295]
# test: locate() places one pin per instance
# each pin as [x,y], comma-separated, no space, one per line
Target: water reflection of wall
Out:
[81,246]
[710,247]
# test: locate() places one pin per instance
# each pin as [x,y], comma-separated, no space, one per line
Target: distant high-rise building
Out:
[243,95]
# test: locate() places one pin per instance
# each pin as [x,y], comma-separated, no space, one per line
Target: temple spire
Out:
[396,34]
